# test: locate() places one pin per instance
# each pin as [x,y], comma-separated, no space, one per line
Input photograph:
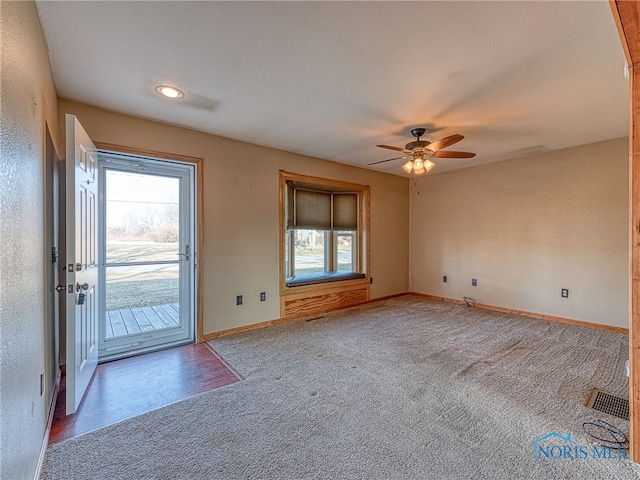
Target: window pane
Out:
[141,286]
[142,215]
[346,252]
[309,252]
[141,299]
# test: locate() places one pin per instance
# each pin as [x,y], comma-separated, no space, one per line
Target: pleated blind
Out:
[345,211]
[313,210]
[321,210]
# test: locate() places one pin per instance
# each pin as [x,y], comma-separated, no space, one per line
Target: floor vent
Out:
[312,319]
[607,403]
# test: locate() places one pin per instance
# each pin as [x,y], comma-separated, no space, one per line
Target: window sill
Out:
[305,280]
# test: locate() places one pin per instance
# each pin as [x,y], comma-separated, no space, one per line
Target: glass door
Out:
[146,255]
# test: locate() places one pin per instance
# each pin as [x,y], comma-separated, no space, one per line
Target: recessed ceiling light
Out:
[169,92]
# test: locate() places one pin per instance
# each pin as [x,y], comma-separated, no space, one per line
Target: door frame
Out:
[198,183]
[120,346]
[53,299]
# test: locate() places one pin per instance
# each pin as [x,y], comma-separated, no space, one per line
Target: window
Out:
[323,228]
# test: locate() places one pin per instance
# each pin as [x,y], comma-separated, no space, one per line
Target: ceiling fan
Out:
[421,152]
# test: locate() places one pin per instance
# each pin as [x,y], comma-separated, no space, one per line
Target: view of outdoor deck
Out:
[128,321]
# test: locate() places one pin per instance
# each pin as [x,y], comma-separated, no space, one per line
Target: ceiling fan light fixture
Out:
[422,151]
[428,165]
[408,167]
[169,92]
[419,166]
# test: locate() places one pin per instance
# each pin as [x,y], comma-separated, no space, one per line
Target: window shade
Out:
[289,212]
[345,211]
[321,210]
[313,210]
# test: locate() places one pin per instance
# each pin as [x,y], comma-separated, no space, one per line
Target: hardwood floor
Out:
[125,388]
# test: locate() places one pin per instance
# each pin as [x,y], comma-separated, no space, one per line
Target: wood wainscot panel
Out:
[311,304]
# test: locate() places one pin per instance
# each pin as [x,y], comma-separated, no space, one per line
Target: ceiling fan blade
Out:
[444,142]
[382,161]
[397,149]
[446,154]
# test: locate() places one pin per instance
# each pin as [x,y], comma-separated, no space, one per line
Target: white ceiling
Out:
[333,79]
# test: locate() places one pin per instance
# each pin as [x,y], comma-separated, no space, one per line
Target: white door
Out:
[146,254]
[81,262]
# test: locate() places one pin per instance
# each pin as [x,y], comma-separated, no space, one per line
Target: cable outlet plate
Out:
[474,282]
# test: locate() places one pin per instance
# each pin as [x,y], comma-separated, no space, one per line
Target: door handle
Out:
[84,286]
[185,254]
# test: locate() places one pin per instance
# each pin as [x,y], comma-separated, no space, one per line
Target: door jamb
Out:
[626,15]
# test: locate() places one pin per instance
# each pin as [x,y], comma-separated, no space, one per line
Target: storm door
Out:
[147,261]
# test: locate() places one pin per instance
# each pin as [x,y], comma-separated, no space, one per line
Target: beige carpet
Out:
[404,388]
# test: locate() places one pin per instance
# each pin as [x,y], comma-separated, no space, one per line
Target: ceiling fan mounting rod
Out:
[418,132]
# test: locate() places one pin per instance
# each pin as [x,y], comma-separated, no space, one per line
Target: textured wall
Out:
[28,101]
[527,228]
[241,203]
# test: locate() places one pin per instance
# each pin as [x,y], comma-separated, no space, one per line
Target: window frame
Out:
[360,236]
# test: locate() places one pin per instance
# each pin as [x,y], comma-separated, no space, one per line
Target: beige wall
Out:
[527,228]
[28,104]
[241,201]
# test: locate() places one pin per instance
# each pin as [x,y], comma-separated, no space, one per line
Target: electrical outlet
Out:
[474,282]
[239,300]
[444,279]
[564,293]
[370,279]
[263,296]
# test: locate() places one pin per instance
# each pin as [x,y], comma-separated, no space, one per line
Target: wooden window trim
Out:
[362,234]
